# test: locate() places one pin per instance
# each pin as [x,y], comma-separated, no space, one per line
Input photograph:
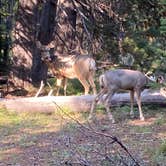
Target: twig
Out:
[115,139]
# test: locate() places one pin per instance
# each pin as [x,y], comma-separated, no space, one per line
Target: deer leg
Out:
[91,81]
[97,98]
[132,103]
[40,89]
[51,90]
[64,85]
[85,85]
[106,104]
[58,83]
[138,98]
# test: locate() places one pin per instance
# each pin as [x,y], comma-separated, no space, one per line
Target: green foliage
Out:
[141,28]
[74,87]
[154,85]
[163,21]
[140,48]
[163,25]
[142,37]
[7,11]
[163,2]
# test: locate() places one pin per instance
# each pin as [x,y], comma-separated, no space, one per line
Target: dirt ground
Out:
[68,139]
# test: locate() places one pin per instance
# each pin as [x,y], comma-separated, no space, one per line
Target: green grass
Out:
[21,125]
[74,87]
[160,120]
[142,129]
[27,130]
[159,154]
[23,130]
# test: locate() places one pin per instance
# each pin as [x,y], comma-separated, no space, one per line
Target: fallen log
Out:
[48,104]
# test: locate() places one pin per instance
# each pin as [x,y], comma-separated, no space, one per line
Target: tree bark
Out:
[48,104]
[24,54]
[51,22]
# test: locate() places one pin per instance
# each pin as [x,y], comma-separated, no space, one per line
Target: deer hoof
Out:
[142,119]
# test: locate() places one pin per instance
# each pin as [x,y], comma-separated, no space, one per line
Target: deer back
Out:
[77,66]
[84,66]
[125,79]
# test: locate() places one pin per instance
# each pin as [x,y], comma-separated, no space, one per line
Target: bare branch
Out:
[92,130]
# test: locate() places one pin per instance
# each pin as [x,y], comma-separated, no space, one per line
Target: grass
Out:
[54,137]
[158,154]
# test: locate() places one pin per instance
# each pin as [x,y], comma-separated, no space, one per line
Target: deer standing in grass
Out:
[114,80]
[82,67]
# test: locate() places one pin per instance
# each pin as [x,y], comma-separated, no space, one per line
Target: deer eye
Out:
[101,86]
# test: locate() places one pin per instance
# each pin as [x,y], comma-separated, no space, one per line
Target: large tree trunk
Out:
[47,22]
[26,60]
[50,104]
[65,30]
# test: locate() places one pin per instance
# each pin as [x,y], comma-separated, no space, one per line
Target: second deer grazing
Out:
[112,81]
[82,67]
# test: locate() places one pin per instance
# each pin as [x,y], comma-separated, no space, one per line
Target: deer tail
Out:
[101,81]
[92,64]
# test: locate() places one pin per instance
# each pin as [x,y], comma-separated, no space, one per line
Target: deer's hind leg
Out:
[91,81]
[59,82]
[65,85]
[85,85]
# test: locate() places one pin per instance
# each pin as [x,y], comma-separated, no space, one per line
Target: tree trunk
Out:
[50,22]
[24,49]
[50,104]
[65,31]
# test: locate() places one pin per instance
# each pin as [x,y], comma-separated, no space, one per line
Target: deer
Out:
[120,79]
[82,67]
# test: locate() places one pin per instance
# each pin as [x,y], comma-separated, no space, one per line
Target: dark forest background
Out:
[130,34]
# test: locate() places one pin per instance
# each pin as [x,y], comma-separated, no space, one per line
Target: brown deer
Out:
[112,81]
[82,67]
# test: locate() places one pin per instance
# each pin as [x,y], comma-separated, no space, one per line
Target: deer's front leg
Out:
[85,85]
[40,89]
[65,85]
[91,81]
[138,98]
[58,84]
[132,103]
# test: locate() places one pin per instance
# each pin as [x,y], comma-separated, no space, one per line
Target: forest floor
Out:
[67,138]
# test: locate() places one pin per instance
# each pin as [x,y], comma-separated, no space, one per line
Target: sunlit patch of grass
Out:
[7,118]
[22,130]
